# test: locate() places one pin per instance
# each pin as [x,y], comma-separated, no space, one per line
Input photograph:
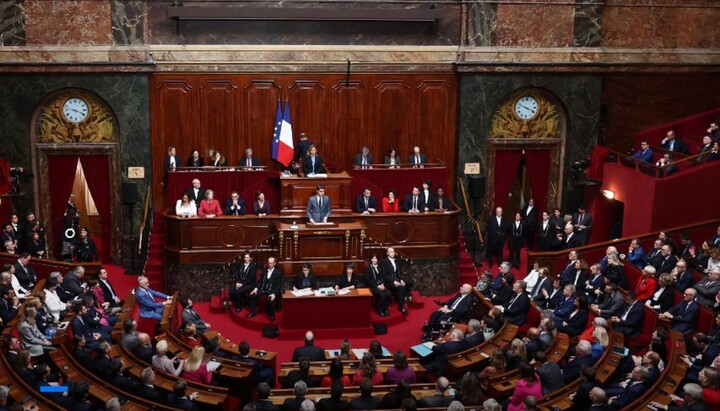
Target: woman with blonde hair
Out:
[516,354]
[616,271]
[189,335]
[31,337]
[368,369]
[710,381]
[345,351]
[195,369]
[601,342]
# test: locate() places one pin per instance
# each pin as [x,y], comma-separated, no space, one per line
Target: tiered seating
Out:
[350,393]
[321,368]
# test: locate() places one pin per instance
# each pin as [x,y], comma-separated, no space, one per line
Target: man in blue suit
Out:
[684,315]
[645,153]
[318,206]
[633,390]
[145,298]
[235,205]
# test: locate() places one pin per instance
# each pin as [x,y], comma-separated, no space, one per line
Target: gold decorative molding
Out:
[545,124]
[100,126]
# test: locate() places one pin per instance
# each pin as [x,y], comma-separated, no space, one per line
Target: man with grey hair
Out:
[307,405]
[692,400]
[438,399]
[455,309]
[363,159]
[708,288]
[147,390]
[583,357]
[74,281]
[437,366]
[597,322]
[113,404]
[598,399]
[515,311]
[474,335]
[292,404]
[491,405]
[683,316]
[456,406]
[3,396]
[633,390]
[145,299]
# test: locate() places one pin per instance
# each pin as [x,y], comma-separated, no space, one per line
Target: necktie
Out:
[149,294]
[248,162]
[536,290]
[414,202]
[320,202]
[110,288]
[457,301]
[366,203]
[513,300]
[313,165]
[625,314]
[364,161]
[417,159]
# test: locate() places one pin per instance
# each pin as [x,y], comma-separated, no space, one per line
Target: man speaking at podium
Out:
[319,207]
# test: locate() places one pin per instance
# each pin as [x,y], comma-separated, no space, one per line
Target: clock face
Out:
[526,107]
[75,109]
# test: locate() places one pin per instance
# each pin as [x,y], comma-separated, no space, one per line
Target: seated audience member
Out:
[516,354]
[397,395]
[368,369]
[635,254]
[440,352]
[611,304]
[312,163]
[454,309]
[235,205]
[706,355]
[663,298]
[25,273]
[309,350]
[56,308]
[667,165]
[645,153]
[31,337]
[144,349]
[708,288]
[195,369]
[363,159]
[417,159]
[400,371]
[686,244]
[190,335]
[581,399]
[543,287]
[209,207]
[390,203]
[346,351]
[692,400]
[414,202]
[594,285]
[497,365]
[262,373]
[335,374]
[376,281]
[129,337]
[681,276]
[181,400]
[714,154]
[377,350]
[35,245]
[160,360]
[189,315]
[78,397]
[366,401]
[438,398]
[668,260]
[335,402]
[441,203]
[145,299]
[527,385]
[269,287]
[216,159]
[709,380]
[504,293]
[583,357]
[366,203]
[79,326]
[9,304]
[108,291]
[392,159]
[305,280]
[533,343]
[261,207]
[574,324]
[470,392]
[601,339]
[147,388]
[516,309]
[672,143]
[532,277]
[427,195]
[567,274]
[550,374]
[633,390]
[348,280]
[630,322]
[80,352]
[302,373]
[195,160]
[474,335]
[683,316]
[292,404]
[565,306]
[118,380]
[249,161]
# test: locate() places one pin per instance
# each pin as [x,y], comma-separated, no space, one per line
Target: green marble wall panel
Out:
[587,23]
[128,21]
[12,23]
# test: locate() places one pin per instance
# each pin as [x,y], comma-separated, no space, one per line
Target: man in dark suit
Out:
[312,163]
[612,304]
[437,364]
[455,309]
[363,159]
[516,240]
[427,195]
[366,401]
[497,227]
[80,327]
[630,323]
[293,404]
[377,282]
[708,288]
[567,275]
[417,159]
[108,290]
[543,283]
[235,205]
[8,305]
[172,161]
[550,373]
[474,335]
[309,350]
[180,400]
[706,147]
[654,256]
[414,202]
[270,286]
[118,380]
[366,203]
[74,281]
[196,193]
[24,272]
[633,390]
[144,349]
[570,239]
[583,357]
[391,269]
[263,402]
[714,241]
[302,148]
[189,315]
[668,262]
[530,218]
[583,223]
[684,315]
[672,143]
[533,343]
[249,161]
[245,275]
[318,206]
[147,389]
[547,234]
[693,398]
[515,311]
[438,399]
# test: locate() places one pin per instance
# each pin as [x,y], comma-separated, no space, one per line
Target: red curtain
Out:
[97,175]
[538,164]
[597,159]
[61,170]
[506,166]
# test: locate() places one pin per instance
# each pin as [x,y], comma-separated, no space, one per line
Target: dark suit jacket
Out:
[576,324]
[191,194]
[329,404]
[365,403]
[706,291]
[587,222]
[437,366]
[308,167]
[253,162]
[398,161]
[667,264]
[516,313]
[246,277]
[531,219]
[664,302]
[80,328]
[685,281]
[436,401]
[612,305]
[473,340]
[372,279]
[302,149]
[71,283]
[299,279]
[386,268]
[150,393]
[181,403]
[144,352]
[292,404]
[571,370]
[360,203]
[632,326]
[463,308]
[239,210]
[546,237]
[542,284]
[628,395]
[679,146]
[178,163]
[315,211]
[124,383]
[684,316]
[107,295]
[551,377]
[272,285]
[358,160]
[312,352]
[582,277]
[497,232]
[502,295]
[26,276]
[573,241]
[408,202]
[7,312]
[411,159]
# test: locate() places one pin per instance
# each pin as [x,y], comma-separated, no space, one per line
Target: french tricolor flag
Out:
[283,149]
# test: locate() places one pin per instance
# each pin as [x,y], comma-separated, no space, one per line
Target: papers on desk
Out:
[332,353]
[212,365]
[322,292]
[423,349]
[317,175]
[359,352]
[302,293]
[343,291]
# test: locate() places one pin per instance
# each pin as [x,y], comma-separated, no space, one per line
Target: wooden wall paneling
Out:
[308,106]
[349,118]
[260,96]
[392,110]
[435,123]
[219,112]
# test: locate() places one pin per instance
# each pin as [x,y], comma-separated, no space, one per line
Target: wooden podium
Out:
[295,192]
[327,247]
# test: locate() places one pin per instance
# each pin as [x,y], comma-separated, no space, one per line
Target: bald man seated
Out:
[309,350]
[455,309]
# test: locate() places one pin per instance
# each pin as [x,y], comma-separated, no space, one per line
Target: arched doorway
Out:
[75,151]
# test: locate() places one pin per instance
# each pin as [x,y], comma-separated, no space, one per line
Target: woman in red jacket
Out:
[209,207]
[647,285]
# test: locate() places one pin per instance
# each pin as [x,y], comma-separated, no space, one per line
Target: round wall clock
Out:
[526,107]
[75,109]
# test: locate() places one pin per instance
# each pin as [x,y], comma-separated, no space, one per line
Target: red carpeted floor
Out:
[401,335]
